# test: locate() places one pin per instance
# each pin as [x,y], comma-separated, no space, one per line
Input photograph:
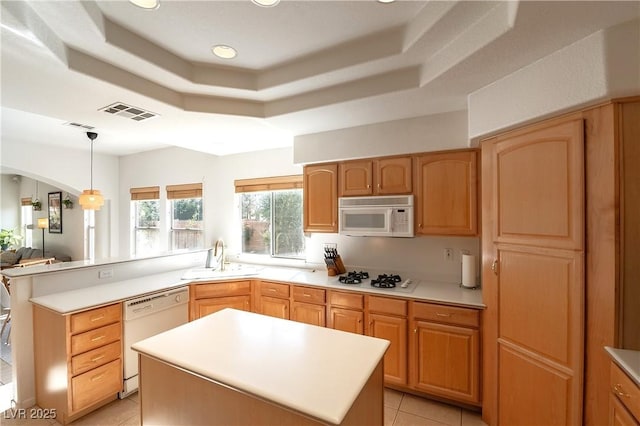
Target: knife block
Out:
[340,269]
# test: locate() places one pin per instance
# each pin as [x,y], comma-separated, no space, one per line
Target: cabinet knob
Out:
[368,186]
[415,330]
[617,389]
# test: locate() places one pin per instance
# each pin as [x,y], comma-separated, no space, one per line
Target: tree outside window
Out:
[272,223]
[147,227]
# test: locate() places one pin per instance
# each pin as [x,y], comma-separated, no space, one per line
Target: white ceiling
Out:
[302,66]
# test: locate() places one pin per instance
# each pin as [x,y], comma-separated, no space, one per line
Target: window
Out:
[27,221]
[145,214]
[271,216]
[187,226]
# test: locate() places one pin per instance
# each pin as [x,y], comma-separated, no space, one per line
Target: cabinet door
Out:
[346,320]
[321,198]
[356,178]
[204,307]
[393,329]
[445,361]
[446,194]
[309,313]
[533,279]
[393,176]
[618,414]
[274,307]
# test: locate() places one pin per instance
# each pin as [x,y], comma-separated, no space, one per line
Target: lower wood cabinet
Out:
[78,360]
[435,349]
[624,400]
[273,299]
[386,318]
[308,305]
[207,298]
[445,351]
[346,311]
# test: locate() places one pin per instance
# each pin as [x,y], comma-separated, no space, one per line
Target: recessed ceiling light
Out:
[266,3]
[224,52]
[146,4]
[386,1]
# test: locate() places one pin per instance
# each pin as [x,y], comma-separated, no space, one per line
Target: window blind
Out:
[145,193]
[189,190]
[25,201]
[268,184]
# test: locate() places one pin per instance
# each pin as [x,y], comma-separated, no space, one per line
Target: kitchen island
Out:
[235,367]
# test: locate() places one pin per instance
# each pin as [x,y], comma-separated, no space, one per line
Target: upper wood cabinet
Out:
[446,193]
[320,188]
[383,176]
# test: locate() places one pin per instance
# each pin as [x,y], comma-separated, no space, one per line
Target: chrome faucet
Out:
[219,257]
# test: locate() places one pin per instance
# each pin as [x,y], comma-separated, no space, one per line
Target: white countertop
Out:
[98,295]
[628,360]
[314,370]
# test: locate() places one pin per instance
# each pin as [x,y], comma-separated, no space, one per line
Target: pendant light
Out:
[91,199]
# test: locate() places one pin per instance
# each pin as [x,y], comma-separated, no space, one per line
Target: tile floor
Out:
[400,410]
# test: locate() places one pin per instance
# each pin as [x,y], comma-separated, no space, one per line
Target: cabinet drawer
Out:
[308,295]
[446,314]
[95,318]
[347,300]
[387,305]
[95,385]
[235,288]
[95,358]
[95,338]
[270,289]
[626,390]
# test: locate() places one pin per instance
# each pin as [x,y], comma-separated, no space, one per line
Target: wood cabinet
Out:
[83,352]
[533,276]
[207,298]
[308,305]
[346,311]
[444,350]
[320,200]
[624,402]
[386,318]
[273,299]
[445,196]
[382,176]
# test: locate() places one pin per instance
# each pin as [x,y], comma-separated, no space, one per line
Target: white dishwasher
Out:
[147,316]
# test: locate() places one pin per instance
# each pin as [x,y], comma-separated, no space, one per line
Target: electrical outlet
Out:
[105,273]
[448,254]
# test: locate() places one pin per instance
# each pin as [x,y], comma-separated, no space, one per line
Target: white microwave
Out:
[384,216]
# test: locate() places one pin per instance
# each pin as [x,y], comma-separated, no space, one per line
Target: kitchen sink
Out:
[233,270]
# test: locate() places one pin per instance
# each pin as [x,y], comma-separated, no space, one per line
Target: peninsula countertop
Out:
[628,360]
[98,295]
[313,370]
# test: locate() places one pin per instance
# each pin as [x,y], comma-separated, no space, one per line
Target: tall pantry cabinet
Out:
[559,277]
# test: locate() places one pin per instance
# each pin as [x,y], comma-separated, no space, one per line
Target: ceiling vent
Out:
[128,111]
[79,125]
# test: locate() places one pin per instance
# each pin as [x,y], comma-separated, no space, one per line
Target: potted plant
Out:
[68,204]
[9,238]
[37,205]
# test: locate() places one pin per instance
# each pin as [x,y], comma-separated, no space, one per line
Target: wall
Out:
[421,134]
[604,65]
[9,208]
[68,170]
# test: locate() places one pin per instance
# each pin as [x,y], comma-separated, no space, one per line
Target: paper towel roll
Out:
[468,270]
